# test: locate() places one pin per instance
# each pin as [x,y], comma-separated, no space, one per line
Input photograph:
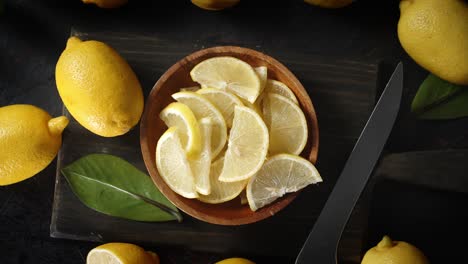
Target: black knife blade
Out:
[322,242]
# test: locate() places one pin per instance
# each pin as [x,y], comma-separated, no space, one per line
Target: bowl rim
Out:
[175,198]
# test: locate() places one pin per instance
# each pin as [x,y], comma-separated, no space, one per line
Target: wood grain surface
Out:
[343,93]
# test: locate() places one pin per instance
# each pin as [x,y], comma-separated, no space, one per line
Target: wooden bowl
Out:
[151,128]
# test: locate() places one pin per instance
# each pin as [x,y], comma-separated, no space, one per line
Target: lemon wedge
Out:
[277,87]
[121,253]
[221,191]
[201,165]
[287,124]
[281,174]
[180,116]
[223,100]
[228,73]
[262,73]
[201,108]
[247,146]
[173,165]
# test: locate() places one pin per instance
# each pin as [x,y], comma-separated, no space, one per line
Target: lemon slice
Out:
[121,253]
[173,165]
[180,116]
[262,73]
[228,73]
[277,87]
[223,100]
[255,106]
[247,146]
[201,108]
[243,197]
[281,174]
[201,165]
[190,89]
[287,124]
[221,191]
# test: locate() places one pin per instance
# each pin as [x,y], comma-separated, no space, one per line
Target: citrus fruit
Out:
[173,165]
[228,73]
[262,73]
[235,261]
[106,3]
[121,253]
[221,191]
[98,87]
[394,252]
[29,140]
[223,100]
[287,125]
[201,164]
[215,4]
[247,146]
[180,116]
[435,40]
[201,108]
[280,174]
[277,87]
[329,3]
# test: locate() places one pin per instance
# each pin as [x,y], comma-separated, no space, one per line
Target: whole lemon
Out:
[235,261]
[435,35]
[98,87]
[123,253]
[29,140]
[394,252]
[215,4]
[329,3]
[106,3]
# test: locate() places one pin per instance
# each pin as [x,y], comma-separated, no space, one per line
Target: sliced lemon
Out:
[255,106]
[223,100]
[180,116]
[201,108]
[190,89]
[243,197]
[262,73]
[173,165]
[277,87]
[201,165]
[228,73]
[221,191]
[280,174]
[121,253]
[247,146]
[287,124]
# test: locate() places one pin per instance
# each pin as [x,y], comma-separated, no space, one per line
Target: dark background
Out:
[33,33]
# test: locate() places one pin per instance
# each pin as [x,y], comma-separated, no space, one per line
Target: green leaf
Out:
[439,99]
[111,185]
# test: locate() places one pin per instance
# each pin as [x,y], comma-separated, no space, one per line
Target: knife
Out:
[322,242]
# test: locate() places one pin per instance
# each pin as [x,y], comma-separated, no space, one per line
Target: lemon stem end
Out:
[385,243]
[73,41]
[57,125]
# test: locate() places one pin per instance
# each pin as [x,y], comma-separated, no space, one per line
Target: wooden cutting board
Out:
[343,93]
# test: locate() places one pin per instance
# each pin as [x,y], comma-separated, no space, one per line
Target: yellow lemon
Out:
[235,261]
[394,252]
[215,4]
[329,3]
[106,3]
[121,253]
[99,88]
[435,35]
[29,140]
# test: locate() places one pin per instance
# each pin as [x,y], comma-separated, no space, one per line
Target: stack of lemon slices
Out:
[237,131]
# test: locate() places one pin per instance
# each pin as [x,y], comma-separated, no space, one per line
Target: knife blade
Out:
[322,242]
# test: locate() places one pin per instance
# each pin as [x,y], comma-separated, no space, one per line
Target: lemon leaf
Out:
[111,185]
[439,99]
